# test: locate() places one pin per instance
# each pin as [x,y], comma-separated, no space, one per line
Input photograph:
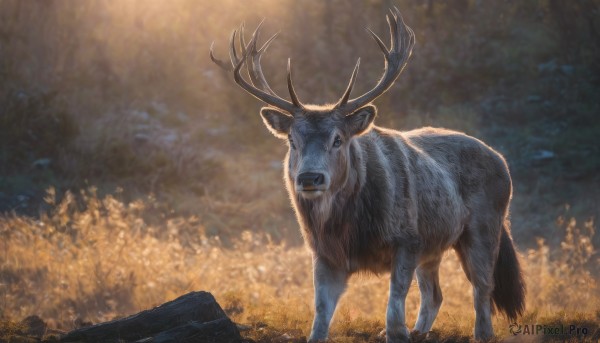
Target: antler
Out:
[266,94]
[402,43]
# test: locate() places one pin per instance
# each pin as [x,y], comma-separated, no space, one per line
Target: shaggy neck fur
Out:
[327,221]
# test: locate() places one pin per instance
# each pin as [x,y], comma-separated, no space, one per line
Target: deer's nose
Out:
[310,181]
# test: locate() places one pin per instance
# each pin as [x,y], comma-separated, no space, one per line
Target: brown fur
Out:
[425,190]
[374,199]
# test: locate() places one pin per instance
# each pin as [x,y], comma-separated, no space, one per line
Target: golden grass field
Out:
[99,259]
[160,178]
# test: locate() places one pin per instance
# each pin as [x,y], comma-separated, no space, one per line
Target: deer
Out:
[374,199]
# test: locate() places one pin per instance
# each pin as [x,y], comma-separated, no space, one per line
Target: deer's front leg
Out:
[403,268]
[329,283]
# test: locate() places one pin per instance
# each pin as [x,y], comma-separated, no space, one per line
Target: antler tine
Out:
[293,94]
[217,61]
[402,42]
[255,35]
[267,96]
[393,25]
[232,50]
[267,43]
[400,34]
[242,39]
[379,42]
[346,95]
[254,53]
[411,40]
[407,39]
[256,70]
[245,48]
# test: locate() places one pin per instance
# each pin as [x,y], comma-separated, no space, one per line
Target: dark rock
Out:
[220,330]
[196,314]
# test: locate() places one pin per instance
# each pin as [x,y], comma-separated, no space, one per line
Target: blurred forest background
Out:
[114,123]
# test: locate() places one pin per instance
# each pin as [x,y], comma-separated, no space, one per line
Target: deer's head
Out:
[319,137]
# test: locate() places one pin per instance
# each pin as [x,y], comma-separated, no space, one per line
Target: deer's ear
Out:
[279,123]
[360,121]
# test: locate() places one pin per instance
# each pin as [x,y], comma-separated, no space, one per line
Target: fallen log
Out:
[193,314]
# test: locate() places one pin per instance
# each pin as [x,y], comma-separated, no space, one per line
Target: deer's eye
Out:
[337,142]
[291,142]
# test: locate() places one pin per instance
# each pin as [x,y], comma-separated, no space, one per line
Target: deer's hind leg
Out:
[431,294]
[477,249]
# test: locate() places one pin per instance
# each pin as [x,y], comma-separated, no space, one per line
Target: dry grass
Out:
[106,93]
[100,259]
